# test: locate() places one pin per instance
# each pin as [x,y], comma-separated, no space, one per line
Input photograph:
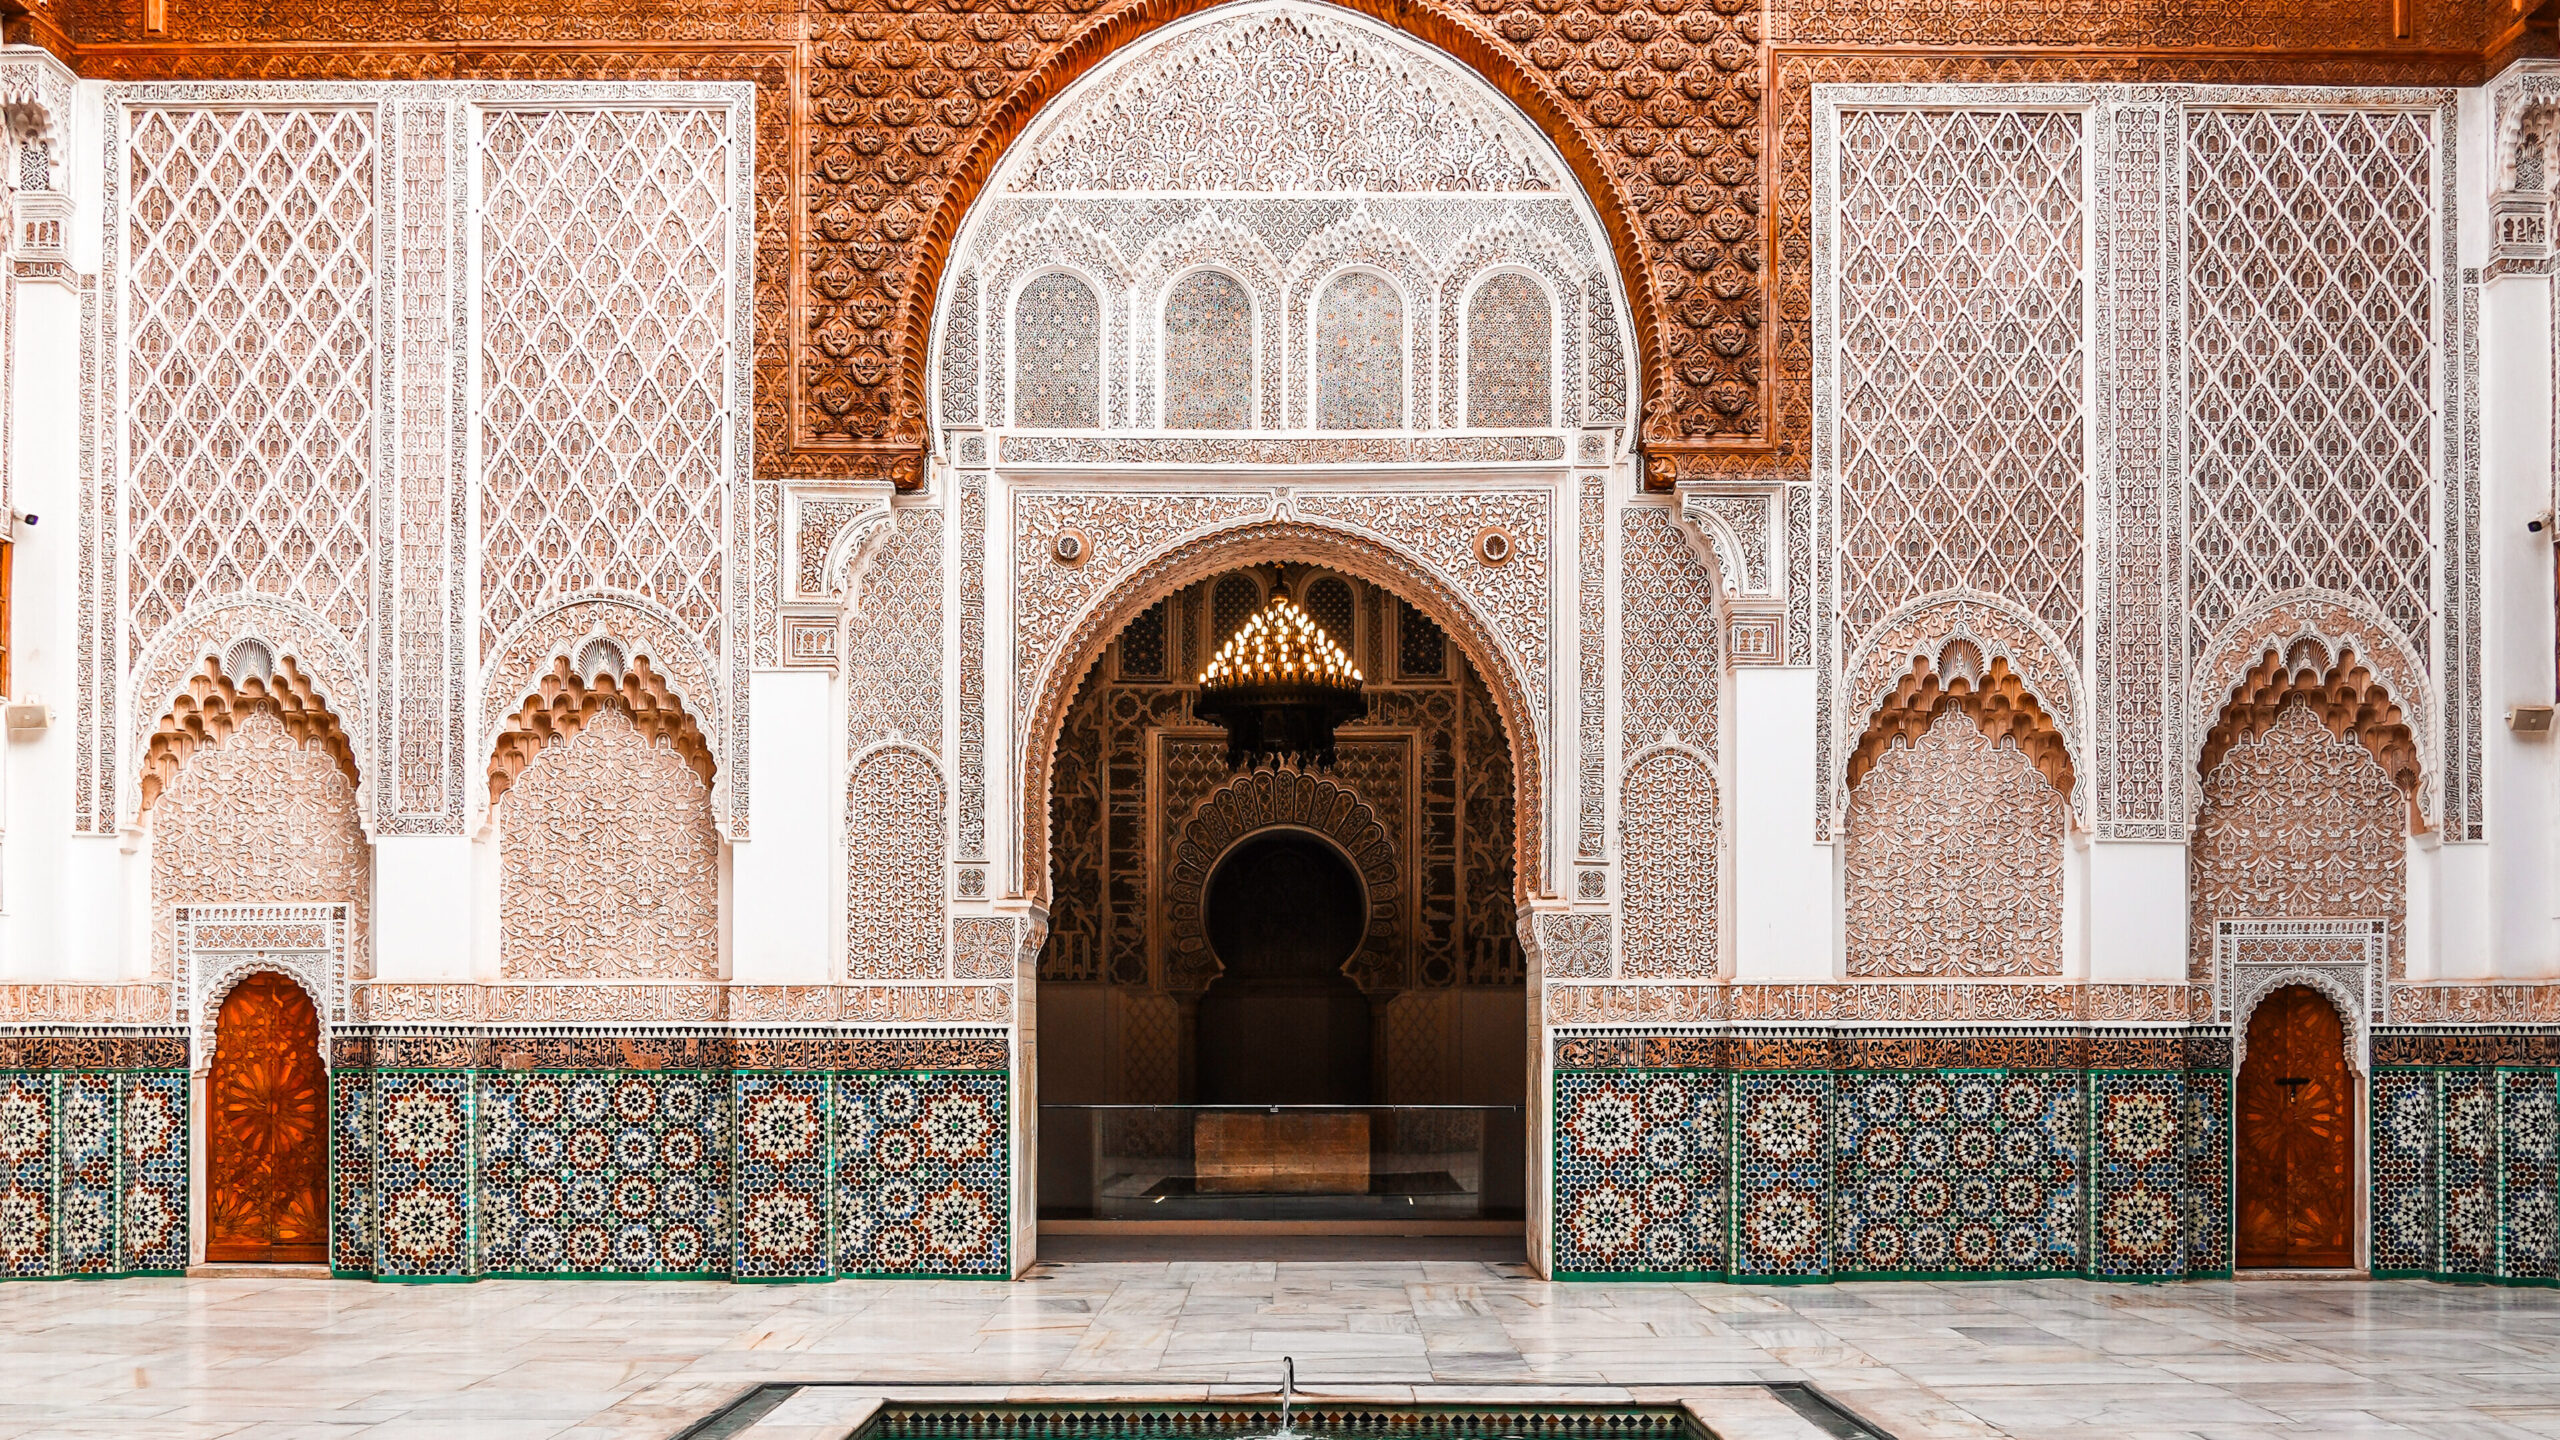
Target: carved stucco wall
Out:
[2227,481]
[895,818]
[259,818]
[2297,824]
[306,244]
[1954,859]
[1339,158]
[1670,812]
[608,863]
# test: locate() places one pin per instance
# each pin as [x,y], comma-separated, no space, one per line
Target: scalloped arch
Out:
[326,679]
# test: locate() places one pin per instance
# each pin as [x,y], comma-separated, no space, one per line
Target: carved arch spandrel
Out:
[1489,58]
[334,676]
[517,667]
[1883,665]
[211,705]
[2346,696]
[1191,558]
[1990,694]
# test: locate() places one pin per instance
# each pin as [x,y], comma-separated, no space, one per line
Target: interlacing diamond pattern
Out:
[605,354]
[251,306]
[1961,450]
[2310,311]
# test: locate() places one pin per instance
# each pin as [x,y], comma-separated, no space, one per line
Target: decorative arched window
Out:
[1329,605]
[1057,355]
[1235,597]
[1360,354]
[1510,376]
[1208,353]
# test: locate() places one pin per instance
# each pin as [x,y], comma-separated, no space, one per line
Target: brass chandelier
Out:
[1280,686]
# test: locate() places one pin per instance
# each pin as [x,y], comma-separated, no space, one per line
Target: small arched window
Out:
[1329,605]
[1360,354]
[1235,598]
[1057,355]
[1208,353]
[1510,378]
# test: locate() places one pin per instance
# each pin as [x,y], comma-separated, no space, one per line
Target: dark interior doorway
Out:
[1283,1025]
[1336,940]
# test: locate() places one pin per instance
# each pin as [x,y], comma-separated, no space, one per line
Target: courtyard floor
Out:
[268,1357]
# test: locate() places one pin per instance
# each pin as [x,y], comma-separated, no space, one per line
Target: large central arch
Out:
[1184,560]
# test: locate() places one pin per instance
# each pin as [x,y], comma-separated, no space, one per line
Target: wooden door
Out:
[266,1134]
[2297,1123]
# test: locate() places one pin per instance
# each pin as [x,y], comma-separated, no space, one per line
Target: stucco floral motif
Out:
[1669,821]
[2297,824]
[895,806]
[1285,101]
[609,864]
[258,819]
[1954,856]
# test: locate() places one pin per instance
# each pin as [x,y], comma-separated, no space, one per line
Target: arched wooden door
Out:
[266,1136]
[2297,1123]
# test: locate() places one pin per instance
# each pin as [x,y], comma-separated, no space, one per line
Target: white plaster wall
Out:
[2514,893]
[44,897]
[423,892]
[1784,903]
[2137,912]
[782,881]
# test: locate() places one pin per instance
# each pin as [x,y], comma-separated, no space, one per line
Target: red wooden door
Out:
[266,1136]
[2297,1114]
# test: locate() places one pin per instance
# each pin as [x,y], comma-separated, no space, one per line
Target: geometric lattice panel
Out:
[605,335]
[2311,314]
[921,1171]
[250,315]
[1961,449]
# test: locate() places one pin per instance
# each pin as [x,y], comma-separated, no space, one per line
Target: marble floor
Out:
[274,1358]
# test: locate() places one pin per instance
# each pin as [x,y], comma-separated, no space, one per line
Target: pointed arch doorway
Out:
[266,1131]
[2296,1137]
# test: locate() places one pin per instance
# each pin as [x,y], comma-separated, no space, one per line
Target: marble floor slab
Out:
[253,1356]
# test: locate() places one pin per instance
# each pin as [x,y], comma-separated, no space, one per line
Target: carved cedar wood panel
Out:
[2295,1118]
[266,1144]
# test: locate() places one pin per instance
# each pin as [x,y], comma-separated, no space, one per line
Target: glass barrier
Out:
[1282,1162]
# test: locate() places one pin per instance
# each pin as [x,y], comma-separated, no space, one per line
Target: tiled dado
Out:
[1793,1156]
[93,1152]
[2463,1132]
[459,1154]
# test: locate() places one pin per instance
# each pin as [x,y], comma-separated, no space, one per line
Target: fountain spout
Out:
[1288,1392]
